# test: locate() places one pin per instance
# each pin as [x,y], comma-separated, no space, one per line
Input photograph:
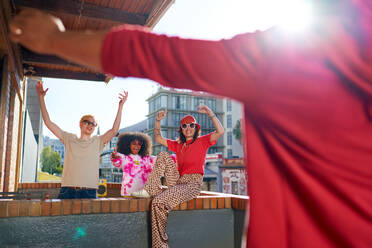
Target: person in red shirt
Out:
[307,110]
[184,179]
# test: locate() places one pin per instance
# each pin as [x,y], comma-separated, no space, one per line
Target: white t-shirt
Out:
[81,165]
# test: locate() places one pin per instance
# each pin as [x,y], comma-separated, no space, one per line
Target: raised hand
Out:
[114,155]
[123,97]
[40,89]
[35,30]
[161,115]
[203,109]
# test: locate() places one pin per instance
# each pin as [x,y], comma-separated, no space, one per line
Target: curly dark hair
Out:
[182,137]
[124,140]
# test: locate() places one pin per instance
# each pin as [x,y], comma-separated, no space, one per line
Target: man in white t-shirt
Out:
[80,171]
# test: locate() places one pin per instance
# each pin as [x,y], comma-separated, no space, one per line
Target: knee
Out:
[160,205]
[163,154]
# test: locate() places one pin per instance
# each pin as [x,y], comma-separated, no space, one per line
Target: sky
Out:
[68,100]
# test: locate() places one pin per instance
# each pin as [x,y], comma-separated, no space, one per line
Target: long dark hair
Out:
[124,140]
[182,137]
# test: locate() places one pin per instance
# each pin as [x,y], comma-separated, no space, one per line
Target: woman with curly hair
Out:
[133,156]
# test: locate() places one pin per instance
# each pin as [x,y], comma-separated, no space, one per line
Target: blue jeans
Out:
[70,193]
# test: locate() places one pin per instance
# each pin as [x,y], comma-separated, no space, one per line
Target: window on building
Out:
[151,106]
[229,138]
[212,104]
[179,102]
[151,122]
[198,101]
[228,105]
[163,101]
[164,133]
[229,121]
[229,153]
[212,150]
[176,118]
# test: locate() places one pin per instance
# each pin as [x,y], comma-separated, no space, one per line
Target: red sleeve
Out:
[206,140]
[172,145]
[185,63]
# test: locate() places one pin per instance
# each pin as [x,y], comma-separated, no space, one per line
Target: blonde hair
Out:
[87,116]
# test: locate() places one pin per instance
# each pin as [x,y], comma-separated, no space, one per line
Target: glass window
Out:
[151,122]
[179,102]
[164,101]
[229,153]
[198,101]
[152,106]
[212,104]
[212,150]
[229,121]
[164,133]
[176,118]
[229,138]
[228,105]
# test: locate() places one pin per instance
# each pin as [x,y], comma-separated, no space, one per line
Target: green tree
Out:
[237,131]
[50,161]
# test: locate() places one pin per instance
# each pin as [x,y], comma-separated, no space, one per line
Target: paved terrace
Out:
[211,220]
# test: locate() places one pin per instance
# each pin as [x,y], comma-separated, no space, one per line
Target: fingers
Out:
[18,24]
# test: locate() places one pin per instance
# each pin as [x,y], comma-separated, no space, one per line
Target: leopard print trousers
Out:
[180,189]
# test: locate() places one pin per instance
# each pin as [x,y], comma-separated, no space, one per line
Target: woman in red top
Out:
[184,183]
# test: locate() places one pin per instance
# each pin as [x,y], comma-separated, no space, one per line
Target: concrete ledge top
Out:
[56,207]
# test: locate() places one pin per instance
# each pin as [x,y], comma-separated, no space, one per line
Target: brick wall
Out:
[12,143]
[10,114]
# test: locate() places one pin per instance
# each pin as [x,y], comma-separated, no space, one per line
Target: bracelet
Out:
[212,116]
[157,119]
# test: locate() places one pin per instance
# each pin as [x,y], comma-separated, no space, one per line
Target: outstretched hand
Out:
[35,30]
[114,155]
[40,89]
[203,109]
[161,115]
[123,97]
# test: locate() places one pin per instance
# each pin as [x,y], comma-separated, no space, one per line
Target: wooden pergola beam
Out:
[64,74]
[73,7]
[31,57]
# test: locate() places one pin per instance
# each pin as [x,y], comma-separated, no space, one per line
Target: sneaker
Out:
[141,194]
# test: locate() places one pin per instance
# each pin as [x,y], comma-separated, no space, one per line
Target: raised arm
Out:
[44,33]
[56,130]
[157,133]
[115,127]
[217,124]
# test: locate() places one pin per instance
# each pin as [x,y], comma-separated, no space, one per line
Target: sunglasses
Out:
[87,123]
[191,125]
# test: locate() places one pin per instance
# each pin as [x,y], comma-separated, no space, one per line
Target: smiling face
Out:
[87,125]
[135,147]
[188,130]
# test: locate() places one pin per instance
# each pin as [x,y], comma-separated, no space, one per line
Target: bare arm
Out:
[157,133]
[43,33]
[56,130]
[217,124]
[115,127]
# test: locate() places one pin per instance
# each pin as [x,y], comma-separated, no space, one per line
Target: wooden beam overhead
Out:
[31,57]
[88,10]
[55,73]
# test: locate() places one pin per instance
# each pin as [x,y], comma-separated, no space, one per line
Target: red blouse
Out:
[191,157]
